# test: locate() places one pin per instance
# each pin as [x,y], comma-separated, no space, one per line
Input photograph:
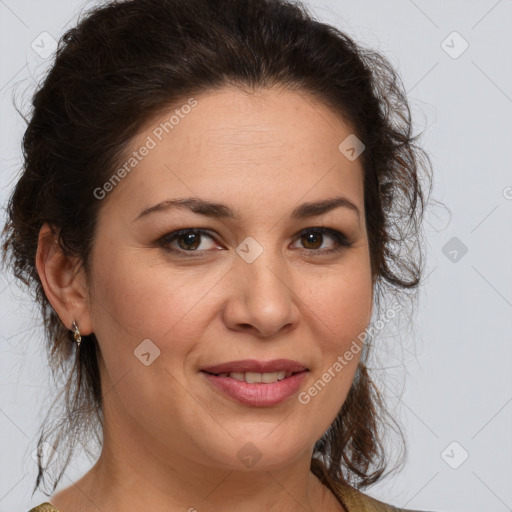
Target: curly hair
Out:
[127,61]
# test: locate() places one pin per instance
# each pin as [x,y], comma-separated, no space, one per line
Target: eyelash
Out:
[340,239]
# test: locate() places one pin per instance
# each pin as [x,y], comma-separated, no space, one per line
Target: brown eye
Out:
[187,240]
[190,241]
[313,238]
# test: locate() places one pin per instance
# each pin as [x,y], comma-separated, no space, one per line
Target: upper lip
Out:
[252,365]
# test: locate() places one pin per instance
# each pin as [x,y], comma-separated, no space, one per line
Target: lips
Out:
[252,365]
[252,394]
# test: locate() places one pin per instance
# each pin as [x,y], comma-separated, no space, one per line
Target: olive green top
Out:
[352,499]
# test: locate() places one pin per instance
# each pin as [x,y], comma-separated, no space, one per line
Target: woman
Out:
[211,195]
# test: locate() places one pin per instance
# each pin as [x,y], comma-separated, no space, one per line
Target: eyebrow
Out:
[220,210]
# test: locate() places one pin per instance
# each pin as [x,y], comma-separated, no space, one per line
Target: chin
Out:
[259,453]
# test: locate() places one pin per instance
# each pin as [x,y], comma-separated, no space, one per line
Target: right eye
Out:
[188,240]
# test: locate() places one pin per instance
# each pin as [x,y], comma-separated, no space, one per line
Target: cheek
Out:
[134,300]
[342,303]
[341,310]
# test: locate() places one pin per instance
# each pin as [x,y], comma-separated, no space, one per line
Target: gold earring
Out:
[76,333]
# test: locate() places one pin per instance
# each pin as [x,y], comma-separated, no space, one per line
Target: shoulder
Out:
[356,501]
[44,507]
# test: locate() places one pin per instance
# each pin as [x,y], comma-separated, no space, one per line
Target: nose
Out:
[261,298]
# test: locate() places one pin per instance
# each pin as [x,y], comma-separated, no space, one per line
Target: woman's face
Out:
[253,287]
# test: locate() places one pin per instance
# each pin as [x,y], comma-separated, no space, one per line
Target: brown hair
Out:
[126,62]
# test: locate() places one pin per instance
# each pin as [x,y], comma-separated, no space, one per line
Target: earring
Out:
[76,333]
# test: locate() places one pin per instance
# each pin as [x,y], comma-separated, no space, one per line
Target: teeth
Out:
[254,377]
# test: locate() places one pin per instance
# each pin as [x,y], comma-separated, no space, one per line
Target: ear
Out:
[65,286]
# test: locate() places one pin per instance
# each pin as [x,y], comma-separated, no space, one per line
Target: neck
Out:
[145,476]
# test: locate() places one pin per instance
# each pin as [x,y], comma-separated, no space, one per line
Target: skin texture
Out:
[171,440]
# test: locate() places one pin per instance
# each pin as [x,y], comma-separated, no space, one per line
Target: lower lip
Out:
[258,394]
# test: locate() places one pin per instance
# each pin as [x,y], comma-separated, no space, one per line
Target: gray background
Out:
[449,378]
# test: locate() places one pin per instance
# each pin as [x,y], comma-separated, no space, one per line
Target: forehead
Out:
[234,144]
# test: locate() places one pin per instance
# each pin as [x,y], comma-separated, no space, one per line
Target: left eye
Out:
[190,239]
[313,235]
